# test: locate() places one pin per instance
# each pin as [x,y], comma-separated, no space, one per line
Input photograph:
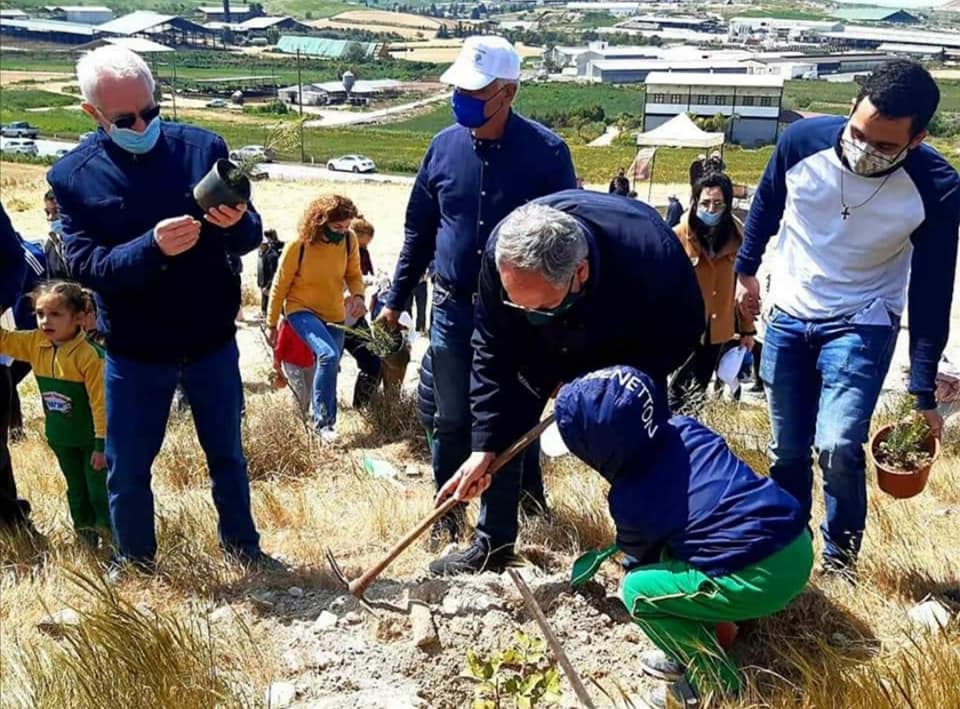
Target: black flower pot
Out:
[216,188]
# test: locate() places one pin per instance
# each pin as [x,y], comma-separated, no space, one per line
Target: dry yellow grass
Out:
[382,17]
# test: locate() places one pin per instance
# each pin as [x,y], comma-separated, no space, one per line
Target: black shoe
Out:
[474,559]
[449,528]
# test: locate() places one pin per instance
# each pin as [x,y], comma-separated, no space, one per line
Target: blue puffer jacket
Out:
[426,404]
[156,308]
[674,483]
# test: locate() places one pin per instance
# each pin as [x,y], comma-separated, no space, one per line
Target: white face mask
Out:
[866,160]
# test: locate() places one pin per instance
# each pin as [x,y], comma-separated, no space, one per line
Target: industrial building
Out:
[83,14]
[258,26]
[814,66]
[753,102]
[778,28]
[865,37]
[885,15]
[617,9]
[637,71]
[47,31]
[216,13]
[673,22]
[323,48]
[170,30]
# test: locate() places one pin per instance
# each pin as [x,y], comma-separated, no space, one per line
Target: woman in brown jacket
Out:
[711,235]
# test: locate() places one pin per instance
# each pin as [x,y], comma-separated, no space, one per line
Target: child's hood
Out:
[611,419]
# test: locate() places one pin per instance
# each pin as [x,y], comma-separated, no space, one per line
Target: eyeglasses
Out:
[129,120]
[716,204]
[546,312]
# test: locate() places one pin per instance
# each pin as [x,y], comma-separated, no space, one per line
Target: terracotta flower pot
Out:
[215,189]
[902,483]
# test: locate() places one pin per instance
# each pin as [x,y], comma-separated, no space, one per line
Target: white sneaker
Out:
[328,435]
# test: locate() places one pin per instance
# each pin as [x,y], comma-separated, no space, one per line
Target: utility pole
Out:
[300,102]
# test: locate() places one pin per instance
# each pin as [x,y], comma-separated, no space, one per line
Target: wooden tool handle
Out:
[359,585]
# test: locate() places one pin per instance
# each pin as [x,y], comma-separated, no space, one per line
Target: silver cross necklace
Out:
[848,208]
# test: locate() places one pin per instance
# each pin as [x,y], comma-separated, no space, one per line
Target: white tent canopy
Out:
[680,132]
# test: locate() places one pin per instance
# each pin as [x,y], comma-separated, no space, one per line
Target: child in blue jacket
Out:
[716,542]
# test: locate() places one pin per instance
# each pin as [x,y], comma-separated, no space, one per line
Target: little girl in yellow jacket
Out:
[69,372]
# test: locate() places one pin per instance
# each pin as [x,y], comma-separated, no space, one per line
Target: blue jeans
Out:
[823,380]
[327,344]
[138,397]
[452,358]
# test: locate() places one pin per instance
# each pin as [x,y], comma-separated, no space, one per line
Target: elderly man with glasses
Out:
[133,232]
[570,283]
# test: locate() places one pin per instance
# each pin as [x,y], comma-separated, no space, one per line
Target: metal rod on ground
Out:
[358,586]
[551,639]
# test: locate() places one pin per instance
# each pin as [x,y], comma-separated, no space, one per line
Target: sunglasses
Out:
[129,120]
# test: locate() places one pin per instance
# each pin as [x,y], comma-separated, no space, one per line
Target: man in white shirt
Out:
[862,210]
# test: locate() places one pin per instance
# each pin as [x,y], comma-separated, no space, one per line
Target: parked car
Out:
[20,146]
[258,173]
[19,129]
[352,163]
[217,103]
[253,152]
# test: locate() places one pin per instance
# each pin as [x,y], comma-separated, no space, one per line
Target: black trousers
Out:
[368,364]
[18,372]
[688,389]
[13,511]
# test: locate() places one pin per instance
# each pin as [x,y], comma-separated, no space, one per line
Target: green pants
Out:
[86,488]
[678,606]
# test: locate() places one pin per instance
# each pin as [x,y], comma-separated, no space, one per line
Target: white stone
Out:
[353,618]
[55,623]
[325,621]
[295,591]
[323,659]
[932,615]
[221,615]
[338,604]
[280,695]
[424,631]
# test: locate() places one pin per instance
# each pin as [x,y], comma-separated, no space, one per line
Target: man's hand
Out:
[470,480]
[934,421]
[355,307]
[98,461]
[747,342]
[177,235]
[748,295]
[390,318]
[272,336]
[225,216]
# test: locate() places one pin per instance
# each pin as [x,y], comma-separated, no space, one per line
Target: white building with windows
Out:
[753,102]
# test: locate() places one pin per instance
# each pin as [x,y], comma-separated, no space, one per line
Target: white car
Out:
[20,146]
[352,163]
[217,103]
[252,152]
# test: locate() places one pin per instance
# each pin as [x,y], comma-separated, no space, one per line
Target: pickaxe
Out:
[359,585]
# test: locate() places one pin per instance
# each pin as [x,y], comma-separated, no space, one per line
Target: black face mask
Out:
[333,237]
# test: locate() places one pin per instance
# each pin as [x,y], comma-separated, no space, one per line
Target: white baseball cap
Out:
[482,60]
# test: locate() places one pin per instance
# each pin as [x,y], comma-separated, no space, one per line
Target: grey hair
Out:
[541,239]
[115,62]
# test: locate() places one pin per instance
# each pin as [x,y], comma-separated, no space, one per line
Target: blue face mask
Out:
[133,142]
[709,218]
[468,110]
[55,227]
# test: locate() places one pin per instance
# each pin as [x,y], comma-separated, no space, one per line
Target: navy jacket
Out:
[463,189]
[642,306]
[675,485]
[156,308]
[12,266]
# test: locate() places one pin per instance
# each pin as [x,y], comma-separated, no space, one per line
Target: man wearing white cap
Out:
[473,175]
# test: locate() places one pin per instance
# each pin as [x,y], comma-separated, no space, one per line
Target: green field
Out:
[22,99]
[831,97]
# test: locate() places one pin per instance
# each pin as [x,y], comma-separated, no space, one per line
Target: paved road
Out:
[295,171]
[352,118]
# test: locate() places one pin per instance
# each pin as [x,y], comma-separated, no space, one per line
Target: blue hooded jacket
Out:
[674,483]
[155,308]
